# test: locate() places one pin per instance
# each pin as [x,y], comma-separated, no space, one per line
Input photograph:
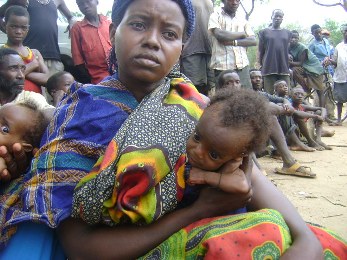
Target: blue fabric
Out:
[33,241]
[76,137]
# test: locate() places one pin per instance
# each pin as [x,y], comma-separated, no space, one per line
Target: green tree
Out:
[335,31]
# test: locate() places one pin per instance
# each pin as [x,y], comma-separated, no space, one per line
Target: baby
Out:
[21,123]
[228,131]
[58,84]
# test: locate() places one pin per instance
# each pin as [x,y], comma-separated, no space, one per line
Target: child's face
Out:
[282,89]
[65,82]
[294,40]
[87,7]
[210,146]
[298,95]
[148,41]
[15,122]
[231,80]
[17,28]
[256,80]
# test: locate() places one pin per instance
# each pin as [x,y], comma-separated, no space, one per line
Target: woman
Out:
[148,37]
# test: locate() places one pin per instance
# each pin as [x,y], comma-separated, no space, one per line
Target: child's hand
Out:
[4,174]
[197,176]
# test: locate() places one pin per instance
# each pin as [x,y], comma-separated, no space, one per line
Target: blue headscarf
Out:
[120,6]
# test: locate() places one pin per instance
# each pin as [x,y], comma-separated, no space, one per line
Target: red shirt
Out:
[91,45]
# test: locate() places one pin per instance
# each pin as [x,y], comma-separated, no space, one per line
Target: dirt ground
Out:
[322,200]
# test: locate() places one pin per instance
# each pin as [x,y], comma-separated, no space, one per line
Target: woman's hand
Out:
[16,162]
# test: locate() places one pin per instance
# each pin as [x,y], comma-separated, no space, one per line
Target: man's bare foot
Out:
[327,133]
[316,146]
[326,147]
[303,147]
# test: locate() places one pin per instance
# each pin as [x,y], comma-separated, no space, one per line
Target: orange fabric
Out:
[31,86]
[91,45]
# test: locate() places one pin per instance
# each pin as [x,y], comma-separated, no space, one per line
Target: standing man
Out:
[230,38]
[273,52]
[321,48]
[196,54]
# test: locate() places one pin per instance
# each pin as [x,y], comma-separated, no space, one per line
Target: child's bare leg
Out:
[319,127]
[305,132]
[296,145]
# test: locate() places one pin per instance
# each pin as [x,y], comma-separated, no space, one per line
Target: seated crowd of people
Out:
[159,145]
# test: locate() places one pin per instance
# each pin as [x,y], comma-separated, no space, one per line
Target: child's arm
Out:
[230,179]
[41,75]
[303,114]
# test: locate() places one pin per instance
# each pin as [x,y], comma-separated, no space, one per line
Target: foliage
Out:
[335,31]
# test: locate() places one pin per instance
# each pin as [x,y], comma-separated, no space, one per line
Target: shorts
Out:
[340,92]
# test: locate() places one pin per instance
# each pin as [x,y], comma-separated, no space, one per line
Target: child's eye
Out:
[5,129]
[214,155]
[196,136]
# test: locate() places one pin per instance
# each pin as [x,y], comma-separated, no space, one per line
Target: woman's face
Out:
[148,41]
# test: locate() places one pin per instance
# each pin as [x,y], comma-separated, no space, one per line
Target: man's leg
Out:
[244,77]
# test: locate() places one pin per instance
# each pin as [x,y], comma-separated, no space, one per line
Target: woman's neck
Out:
[138,88]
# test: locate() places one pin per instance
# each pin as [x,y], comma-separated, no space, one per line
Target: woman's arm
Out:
[81,241]
[266,195]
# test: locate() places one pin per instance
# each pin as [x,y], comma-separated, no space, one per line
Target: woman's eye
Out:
[196,137]
[138,26]
[5,129]
[170,35]
[214,155]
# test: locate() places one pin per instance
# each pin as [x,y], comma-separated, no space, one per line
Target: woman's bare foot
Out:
[303,147]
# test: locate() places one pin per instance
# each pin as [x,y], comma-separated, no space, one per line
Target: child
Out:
[228,131]
[302,113]
[21,123]
[90,42]
[17,27]
[58,84]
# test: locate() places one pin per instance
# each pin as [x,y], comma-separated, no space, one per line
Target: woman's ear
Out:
[112,31]
[27,147]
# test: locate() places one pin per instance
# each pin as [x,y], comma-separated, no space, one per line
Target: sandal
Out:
[296,170]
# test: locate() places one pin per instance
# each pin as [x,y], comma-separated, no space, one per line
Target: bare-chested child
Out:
[304,112]
[230,128]
[17,27]
[58,84]
[21,123]
[287,122]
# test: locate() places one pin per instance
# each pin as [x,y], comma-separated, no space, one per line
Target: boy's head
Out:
[235,124]
[88,7]
[22,123]
[228,79]
[294,40]
[316,31]
[298,95]
[281,88]
[16,23]
[59,81]
[147,36]
[277,17]
[231,6]
[256,79]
